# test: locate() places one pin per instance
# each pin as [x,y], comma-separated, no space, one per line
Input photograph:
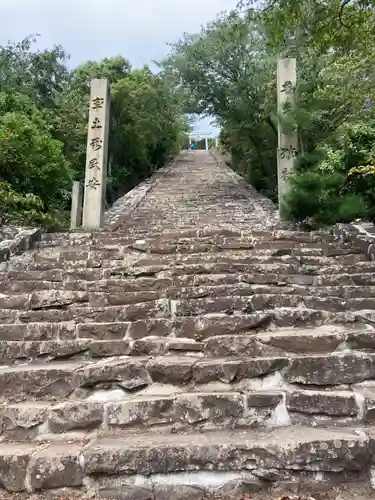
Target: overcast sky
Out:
[93,29]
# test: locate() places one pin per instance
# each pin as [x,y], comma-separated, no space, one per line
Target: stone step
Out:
[182,411]
[229,267]
[185,252]
[219,459]
[65,312]
[39,281]
[109,293]
[206,232]
[118,248]
[292,342]
[107,340]
[115,320]
[262,302]
[123,257]
[362,273]
[73,307]
[20,351]
[59,380]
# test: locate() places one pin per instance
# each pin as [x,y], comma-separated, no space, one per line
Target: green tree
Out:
[43,128]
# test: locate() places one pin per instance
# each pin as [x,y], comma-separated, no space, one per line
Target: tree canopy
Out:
[43,129]
[228,70]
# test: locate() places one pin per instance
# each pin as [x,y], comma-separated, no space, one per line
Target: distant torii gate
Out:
[202,135]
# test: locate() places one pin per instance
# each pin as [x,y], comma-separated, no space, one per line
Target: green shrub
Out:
[317,199]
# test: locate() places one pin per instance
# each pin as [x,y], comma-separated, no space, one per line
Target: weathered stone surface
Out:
[69,416]
[185,345]
[20,422]
[127,492]
[323,402]
[139,329]
[179,492]
[221,324]
[213,408]
[149,346]
[102,299]
[103,331]
[14,459]
[56,299]
[56,466]
[316,450]
[19,301]
[229,370]
[128,373]
[362,340]
[331,369]
[263,400]
[141,412]
[53,381]
[102,348]
[171,370]
[202,330]
[37,331]
[239,345]
[13,351]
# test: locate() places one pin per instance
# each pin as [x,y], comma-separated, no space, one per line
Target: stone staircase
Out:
[198,351]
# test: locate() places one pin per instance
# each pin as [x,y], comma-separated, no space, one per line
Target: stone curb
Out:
[122,209]
[26,239]
[362,234]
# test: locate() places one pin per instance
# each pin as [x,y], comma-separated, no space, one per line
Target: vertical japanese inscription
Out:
[287,143]
[96,156]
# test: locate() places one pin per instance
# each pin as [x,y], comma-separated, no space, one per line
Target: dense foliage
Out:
[43,127]
[228,70]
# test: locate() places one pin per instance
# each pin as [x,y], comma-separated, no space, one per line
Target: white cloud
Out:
[92,29]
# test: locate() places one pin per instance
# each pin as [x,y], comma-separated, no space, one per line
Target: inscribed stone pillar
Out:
[287,143]
[206,143]
[96,156]
[217,142]
[76,211]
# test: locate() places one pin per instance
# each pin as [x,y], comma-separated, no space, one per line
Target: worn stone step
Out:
[119,249]
[104,340]
[235,268]
[18,351]
[117,322]
[261,302]
[132,312]
[212,231]
[260,273]
[225,458]
[137,284]
[113,294]
[166,413]
[296,341]
[182,411]
[58,380]
[65,258]
[36,325]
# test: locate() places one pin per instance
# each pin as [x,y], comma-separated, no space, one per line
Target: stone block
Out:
[14,459]
[56,466]
[68,416]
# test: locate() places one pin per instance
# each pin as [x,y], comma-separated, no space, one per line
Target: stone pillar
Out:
[96,156]
[190,141]
[287,143]
[217,142]
[76,211]
[206,143]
